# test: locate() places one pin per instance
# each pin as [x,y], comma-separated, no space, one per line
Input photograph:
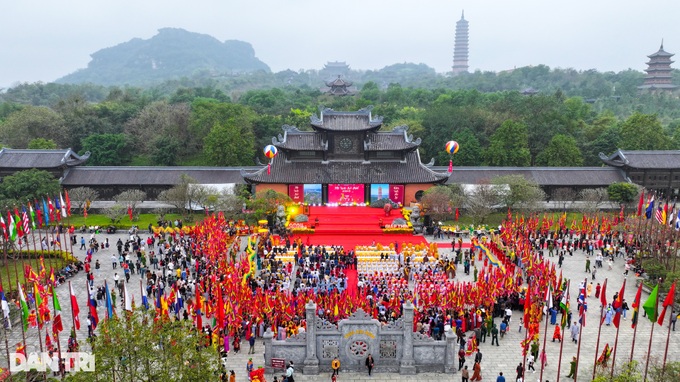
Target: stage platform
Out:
[353,226]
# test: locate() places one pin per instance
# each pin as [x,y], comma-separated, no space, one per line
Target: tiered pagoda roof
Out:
[659,71]
[339,87]
[643,159]
[41,159]
[332,120]
[460,49]
[346,147]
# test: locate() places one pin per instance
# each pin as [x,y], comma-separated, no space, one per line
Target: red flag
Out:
[641,203]
[617,305]
[603,294]
[527,307]
[220,308]
[669,301]
[457,214]
[636,307]
[450,165]
[269,168]
[75,311]
[129,211]
[68,203]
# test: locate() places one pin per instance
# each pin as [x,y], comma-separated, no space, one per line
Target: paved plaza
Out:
[503,358]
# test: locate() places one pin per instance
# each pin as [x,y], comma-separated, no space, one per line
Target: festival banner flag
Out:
[128,298]
[109,303]
[145,299]
[618,304]
[650,304]
[4,305]
[68,202]
[669,301]
[92,306]
[3,226]
[636,307]
[641,203]
[57,326]
[24,307]
[75,311]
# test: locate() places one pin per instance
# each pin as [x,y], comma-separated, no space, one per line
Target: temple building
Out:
[333,69]
[460,49]
[659,77]
[339,87]
[56,162]
[656,170]
[346,159]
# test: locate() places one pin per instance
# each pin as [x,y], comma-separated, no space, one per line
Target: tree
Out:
[225,132]
[130,199]
[643,132]
[623,192]
[160,122]
[519,193]
[165,151]
[265,203]
[187,195]
[107,149]
[591,199]
[29,185]
[115,213]
[565,195]
[509,146]
[481,200]
[562,151]
[42,144]
[437,202]
[81,197]
[33,122]
[135,347]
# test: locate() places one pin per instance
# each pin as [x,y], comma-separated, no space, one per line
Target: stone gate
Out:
[394,346]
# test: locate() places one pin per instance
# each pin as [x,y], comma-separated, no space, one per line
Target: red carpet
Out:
[352,281]
[352,226]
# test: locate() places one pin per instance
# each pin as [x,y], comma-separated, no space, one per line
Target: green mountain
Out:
[172,53]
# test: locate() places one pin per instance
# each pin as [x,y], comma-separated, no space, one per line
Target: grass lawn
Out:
[142,221]
[9,275]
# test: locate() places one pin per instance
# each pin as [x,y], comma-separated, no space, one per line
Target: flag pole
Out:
[559,361]
[616,339]
[668,337]
[637,320]
[545,337]
[40,340]
[580,332]
[56,335]
[73,316]
[4,327]
[599,330]
[5,243]
[651,335]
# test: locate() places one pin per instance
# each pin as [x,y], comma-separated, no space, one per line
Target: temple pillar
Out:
[450,353]
[407,364]
[311,363]
[268,336]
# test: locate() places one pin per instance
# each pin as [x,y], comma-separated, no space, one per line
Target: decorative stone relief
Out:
[360,315]
[329,349]
[300,337]
[395,325]
[322,324]
[388,349]
[358,349]
[421,337]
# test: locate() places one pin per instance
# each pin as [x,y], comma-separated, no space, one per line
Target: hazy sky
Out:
[44,40]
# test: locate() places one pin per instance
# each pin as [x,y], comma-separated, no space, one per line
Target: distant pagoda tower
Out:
[460,50]
[333,69]
[339,87]
[658,70]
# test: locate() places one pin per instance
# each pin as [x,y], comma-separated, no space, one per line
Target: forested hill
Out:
[172,53]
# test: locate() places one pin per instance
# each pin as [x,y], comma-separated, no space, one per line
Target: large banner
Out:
[312,193]
[346,193]
[296,193]
[397,193]
[379,191]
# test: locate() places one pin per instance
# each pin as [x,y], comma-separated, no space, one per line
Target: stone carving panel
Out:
[422,337]
[358,349]
[300,337]
[329,349]
[360,315]
[395,325]
[322,324]
[388,349]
